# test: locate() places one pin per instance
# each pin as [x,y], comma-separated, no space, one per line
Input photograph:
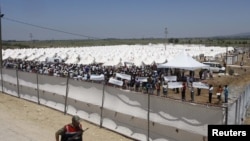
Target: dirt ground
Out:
[24,120]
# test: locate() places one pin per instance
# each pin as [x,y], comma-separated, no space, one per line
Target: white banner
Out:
[170,78]
[200,85]
[172,85]
[143,79]
[97,77]
[123,76]
[92,77]
[115,82]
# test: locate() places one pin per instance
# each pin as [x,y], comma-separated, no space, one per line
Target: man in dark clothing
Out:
[149,85]
[210,93]
[72,131]
[192,92]
[200,74]
[198,91]
[183,91]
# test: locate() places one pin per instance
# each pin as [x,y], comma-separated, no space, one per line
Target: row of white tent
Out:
[115,55]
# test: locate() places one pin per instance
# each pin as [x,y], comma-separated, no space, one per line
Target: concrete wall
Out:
[122,111]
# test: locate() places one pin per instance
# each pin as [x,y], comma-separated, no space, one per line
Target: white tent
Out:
[114,62]
[183,61]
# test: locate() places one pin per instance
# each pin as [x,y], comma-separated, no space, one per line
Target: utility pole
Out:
[226,60]
[166,35]
[31,40]
[1,55]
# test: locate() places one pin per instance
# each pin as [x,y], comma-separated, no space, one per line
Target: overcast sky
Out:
[80,19]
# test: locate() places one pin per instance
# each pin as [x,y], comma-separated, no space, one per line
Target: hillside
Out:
[235,36]
[238,41]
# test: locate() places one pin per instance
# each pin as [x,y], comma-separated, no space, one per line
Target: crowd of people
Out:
[155,84]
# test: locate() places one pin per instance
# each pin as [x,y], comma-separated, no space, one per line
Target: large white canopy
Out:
[183,61]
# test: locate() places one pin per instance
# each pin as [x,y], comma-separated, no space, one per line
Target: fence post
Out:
[17,83]
[37,86]
[226,120]
[148,115]
[103,94]
[236,112]
[66,97]
[2,78]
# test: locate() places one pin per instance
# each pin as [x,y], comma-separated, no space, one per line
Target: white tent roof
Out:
[183,61]
[139,55]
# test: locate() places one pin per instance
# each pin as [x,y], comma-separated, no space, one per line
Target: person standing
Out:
[200,74]
[149,85]
[226,93]
[219,92]
[72,131]
[158,87]
[210,93]
[183,91]
[165,89]
[192,92]
[137,84]
[198,91]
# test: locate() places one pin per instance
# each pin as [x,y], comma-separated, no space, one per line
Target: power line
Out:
[51,29]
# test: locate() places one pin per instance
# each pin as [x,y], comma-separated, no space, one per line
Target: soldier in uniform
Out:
[72,131]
